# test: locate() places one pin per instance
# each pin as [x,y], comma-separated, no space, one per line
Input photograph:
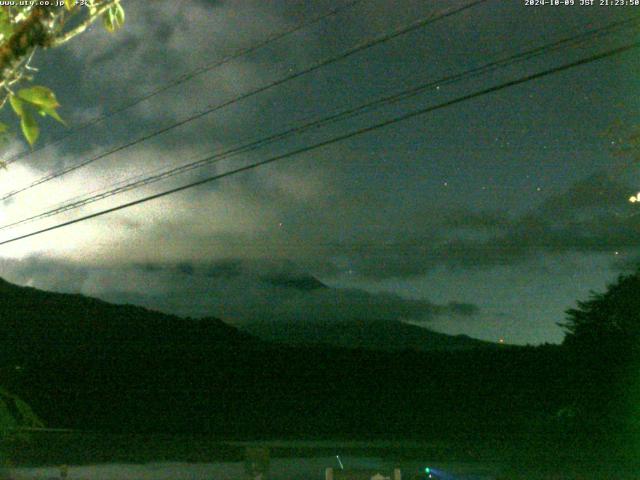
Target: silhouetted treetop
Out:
[609,319]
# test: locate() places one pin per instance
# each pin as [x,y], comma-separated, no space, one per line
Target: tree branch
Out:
[37,30]
[56,42]
[29,34]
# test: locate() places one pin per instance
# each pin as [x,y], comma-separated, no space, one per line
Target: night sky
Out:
[490,217]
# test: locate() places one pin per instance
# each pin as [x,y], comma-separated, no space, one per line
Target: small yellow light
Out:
[633,199]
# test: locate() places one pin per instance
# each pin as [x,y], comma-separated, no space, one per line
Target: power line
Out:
[339,138]
[142,180]
[186,77]
[323,63]
[406,247]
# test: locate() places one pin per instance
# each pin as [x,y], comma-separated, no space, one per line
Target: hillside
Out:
[87,364]
[367,333]
[35,319]
[372,335]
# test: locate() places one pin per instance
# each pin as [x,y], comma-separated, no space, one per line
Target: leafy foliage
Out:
[113,19]
[36,99]
[603,335]
[609,319]
[23,28]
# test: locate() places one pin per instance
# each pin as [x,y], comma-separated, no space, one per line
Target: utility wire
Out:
[185,78]
[142,180]
[339,138]
[323,63]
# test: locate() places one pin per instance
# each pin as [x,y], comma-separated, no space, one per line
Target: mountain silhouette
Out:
[373,334]
[87,364]
[33,320]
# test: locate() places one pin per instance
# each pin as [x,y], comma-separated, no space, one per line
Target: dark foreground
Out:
[146,456]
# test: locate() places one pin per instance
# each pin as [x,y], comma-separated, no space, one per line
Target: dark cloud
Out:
[224,269]
[477,220]
[463,309]
[598,192]
[487,240]
[466,190]
[593,215]
[299,282]
[213,269]
[263,291]
[185,269]
[148,267]
[122,46]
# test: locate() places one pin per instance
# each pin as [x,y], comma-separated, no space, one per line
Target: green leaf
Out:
[107,21]
[69,4]
[30,127]
[113,18]
[6,27]
[17,105]
[3,128]
[6,30]
[119,13]
[40,96]
[52,113]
